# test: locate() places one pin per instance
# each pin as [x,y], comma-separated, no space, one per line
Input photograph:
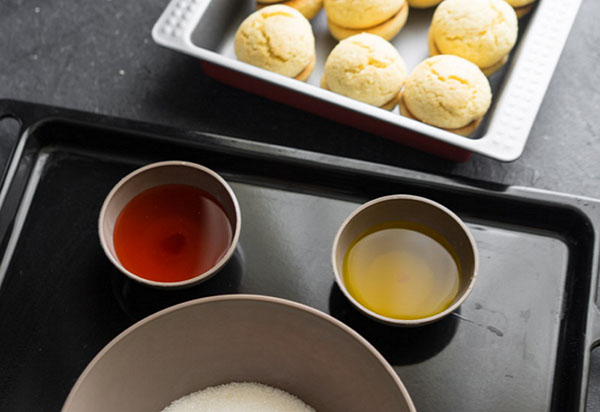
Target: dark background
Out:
[98,56]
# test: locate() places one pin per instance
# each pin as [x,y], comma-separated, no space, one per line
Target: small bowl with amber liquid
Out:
[405,260]
[170,224]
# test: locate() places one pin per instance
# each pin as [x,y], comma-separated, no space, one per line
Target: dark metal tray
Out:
[521,342]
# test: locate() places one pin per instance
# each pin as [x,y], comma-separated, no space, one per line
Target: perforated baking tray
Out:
[205,29]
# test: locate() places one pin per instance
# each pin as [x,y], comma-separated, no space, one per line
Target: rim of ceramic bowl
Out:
[193,280]
[249,297]
[405,322]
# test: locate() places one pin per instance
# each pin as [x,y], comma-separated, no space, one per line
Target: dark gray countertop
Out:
[98,56]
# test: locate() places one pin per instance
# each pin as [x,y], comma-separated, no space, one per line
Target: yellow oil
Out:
[402,270]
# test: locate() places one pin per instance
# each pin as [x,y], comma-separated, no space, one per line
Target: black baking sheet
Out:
[516,344]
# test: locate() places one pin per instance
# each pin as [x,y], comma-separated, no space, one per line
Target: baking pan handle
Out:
[7,110]
[594,329]
[592,341]
[22,114]
[592,338]
[593,322]
[27,114]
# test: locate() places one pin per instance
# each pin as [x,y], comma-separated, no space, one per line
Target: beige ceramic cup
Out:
[418,210]
[156,174]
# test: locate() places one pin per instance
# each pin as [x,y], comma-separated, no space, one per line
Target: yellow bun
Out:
[277,38]
[309,8]
[519,3]
[391,105]
[305,74]
[388,29]
[365,67]
[522,7]
[361,14]
[463,131]
[488,71]
[524,10]
[423,4]
[481,31]
[448,92]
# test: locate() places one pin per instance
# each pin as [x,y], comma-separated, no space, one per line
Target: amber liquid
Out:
[172,233]
[402,270]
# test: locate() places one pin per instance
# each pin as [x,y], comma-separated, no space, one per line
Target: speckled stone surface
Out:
[97,56]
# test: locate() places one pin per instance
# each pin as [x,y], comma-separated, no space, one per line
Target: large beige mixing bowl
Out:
[221,339]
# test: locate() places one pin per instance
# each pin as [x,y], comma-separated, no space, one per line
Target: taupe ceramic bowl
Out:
[156,174]
[413,209]
[221,339]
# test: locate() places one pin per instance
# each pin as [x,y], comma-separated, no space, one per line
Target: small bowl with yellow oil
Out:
[405,260]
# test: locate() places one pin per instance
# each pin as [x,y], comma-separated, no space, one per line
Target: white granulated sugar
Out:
[239,397]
